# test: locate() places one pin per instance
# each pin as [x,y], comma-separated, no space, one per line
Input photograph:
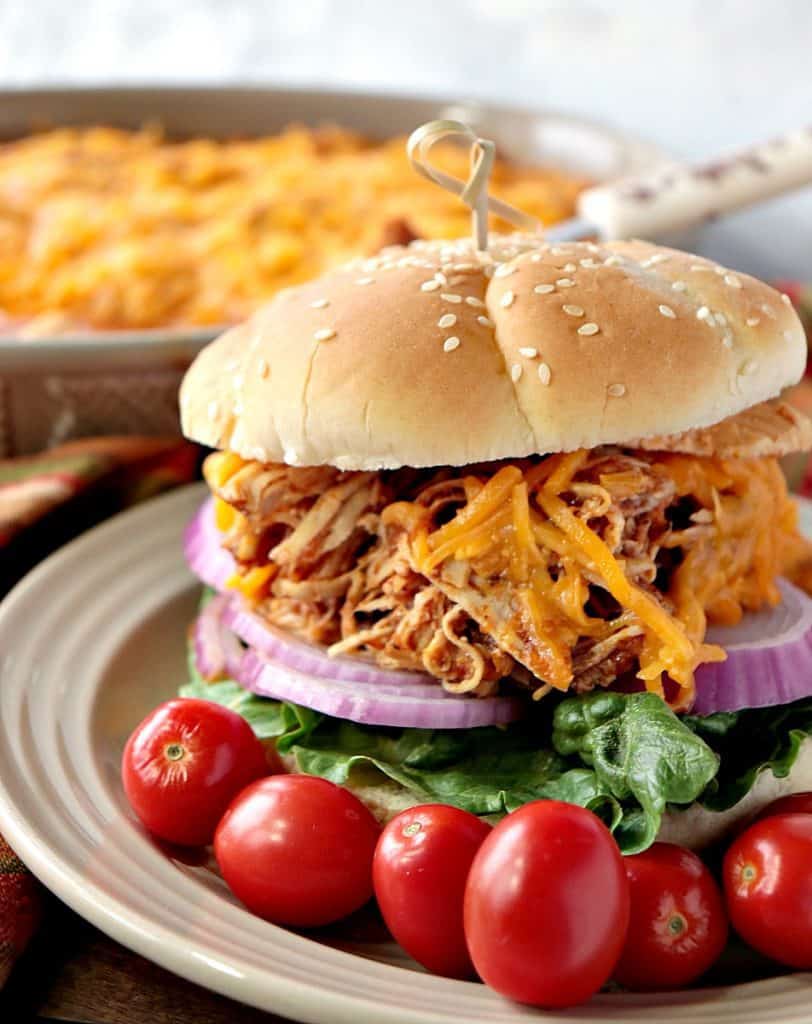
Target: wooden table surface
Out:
[72,972]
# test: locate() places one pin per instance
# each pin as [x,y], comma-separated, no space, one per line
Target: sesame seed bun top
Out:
[434,354]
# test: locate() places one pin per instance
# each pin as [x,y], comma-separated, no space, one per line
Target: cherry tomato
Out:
[420,867]
[547,905]
[768,885]
[298,850]
[185,763]
[795,803]
[678,925]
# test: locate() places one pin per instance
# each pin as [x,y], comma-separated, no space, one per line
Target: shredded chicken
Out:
[489,576]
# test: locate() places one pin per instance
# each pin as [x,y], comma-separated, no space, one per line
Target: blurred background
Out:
[696,77]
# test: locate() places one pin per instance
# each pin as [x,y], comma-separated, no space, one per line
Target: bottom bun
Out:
[694,827]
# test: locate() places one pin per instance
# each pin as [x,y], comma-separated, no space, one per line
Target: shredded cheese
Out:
[219,467]
[524,518]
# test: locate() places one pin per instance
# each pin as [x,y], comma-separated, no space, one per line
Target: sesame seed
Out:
[507,299]
[786,299]
[536,257]
[472,300]
[612,261]
[320,303]
[565,282]
[263,368]
[678,286]
[616,390]
[450,297]
[456,279]
[325,334]
[504,269]
[703,313]
[555,250]
[588,263]
[658,257]
[720,319]
[544,374]
[768,310]
[591,247]
[529,353]
[727,338]
[589,328]
[720,271]
[515,372]
[430,286]
[704,515]
[544,289]
[667,311]
[484,321]
[365,280]
[464,266]
[441,278]
[214,409]
[569,267]
[447,320]
[753,321]
[747,367]
[733,281]
[573,310]
[698,266]
[451,343]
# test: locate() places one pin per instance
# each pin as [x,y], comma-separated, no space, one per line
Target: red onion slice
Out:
[203,547]
[769,658]
[218,651]
[366,705]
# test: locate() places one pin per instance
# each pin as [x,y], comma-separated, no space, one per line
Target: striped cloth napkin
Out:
[45,500]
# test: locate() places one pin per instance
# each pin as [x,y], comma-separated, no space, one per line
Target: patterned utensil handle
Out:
[681,197]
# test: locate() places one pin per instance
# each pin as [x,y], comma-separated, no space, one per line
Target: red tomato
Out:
[183,766]
[795,803]
[678,925]
[768,885]
[420,867]
[547,905]
[298,850]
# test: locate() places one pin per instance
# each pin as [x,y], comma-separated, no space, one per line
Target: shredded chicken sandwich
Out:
[532,469]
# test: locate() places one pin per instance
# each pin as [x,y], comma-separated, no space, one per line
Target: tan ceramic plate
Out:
[92,640]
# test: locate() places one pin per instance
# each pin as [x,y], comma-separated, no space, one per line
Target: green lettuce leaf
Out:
[270,719]
[485,771]
[641,753]
[750,742]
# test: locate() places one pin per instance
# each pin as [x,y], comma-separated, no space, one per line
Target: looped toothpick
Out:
[474,192]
